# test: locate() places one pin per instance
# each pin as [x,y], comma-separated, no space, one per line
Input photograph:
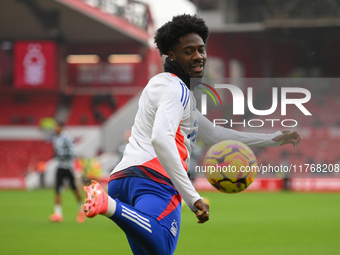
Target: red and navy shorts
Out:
[148,210]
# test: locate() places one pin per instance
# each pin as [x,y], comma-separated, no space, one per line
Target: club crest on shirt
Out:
[174,228]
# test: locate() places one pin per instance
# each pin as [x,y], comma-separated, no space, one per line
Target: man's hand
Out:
[292,137]
[202,216]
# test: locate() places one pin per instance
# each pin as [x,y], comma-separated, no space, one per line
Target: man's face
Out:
[190,54]
[58,129]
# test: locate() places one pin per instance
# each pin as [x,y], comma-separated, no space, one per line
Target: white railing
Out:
[133,11]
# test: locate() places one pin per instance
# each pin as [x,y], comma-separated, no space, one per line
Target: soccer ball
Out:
[230,166]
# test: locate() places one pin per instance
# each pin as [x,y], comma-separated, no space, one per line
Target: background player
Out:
[64,152]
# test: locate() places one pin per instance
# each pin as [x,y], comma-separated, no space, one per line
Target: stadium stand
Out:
[317,150]
[17,156]
[258,53]
[24,103]
[24,109]
[85,111]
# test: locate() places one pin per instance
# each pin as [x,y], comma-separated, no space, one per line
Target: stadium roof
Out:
[66,21]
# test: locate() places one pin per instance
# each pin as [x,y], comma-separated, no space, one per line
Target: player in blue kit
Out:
[146,187]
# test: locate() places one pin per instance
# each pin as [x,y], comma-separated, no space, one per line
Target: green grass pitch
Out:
[244,223]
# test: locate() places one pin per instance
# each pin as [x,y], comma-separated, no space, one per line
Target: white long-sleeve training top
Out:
[165,130]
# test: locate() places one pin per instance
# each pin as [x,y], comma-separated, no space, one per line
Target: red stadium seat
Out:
[16,156]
